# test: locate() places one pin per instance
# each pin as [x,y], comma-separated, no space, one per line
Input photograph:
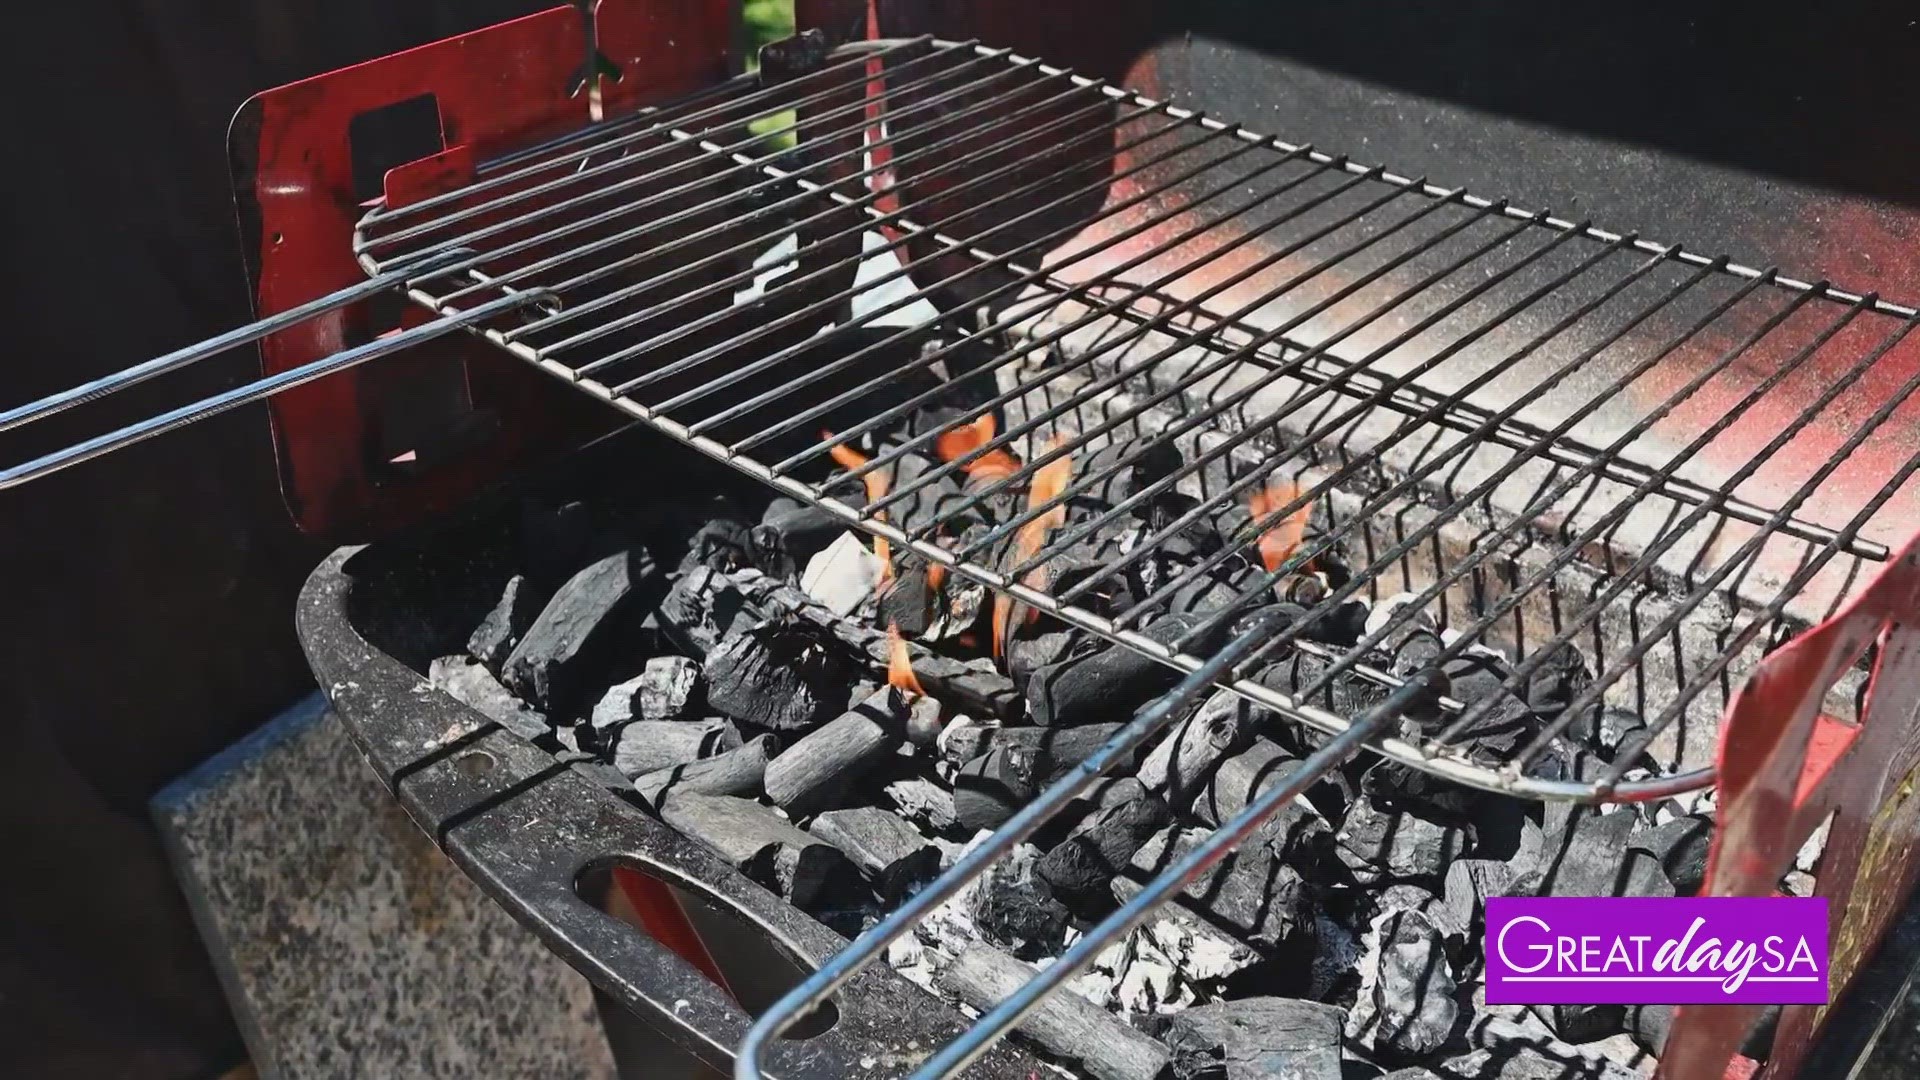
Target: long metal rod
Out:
[1148,721]
[213,346]
[258,390]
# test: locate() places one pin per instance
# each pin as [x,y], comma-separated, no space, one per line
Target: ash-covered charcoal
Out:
[700,608]
[1463,899]
[1595,859]
[512,616]
[1065,1024]
[1015,910]
[778,676]
[667,688]
[1179,765]
[766,847]
[646,746]
[1616,734]
[925,803]
[1228,586]
[1102,845]
[1680,847]
[472,685]
[1054,750]
[890,852]
[1106,685]
[1476,679]
[1252,892]
[1381,841]
[844,575]
[578,627]
[818,771]
[741,771]
[1407,1004]
[1262,1038]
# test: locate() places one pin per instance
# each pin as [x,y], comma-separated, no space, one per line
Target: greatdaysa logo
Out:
[1656,951]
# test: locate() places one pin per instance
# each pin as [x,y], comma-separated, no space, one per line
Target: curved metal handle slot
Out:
[257,390]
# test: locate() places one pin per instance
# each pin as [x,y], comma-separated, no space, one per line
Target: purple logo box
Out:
[1656,951]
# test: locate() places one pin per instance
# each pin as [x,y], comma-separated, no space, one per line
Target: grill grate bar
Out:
[1483,402]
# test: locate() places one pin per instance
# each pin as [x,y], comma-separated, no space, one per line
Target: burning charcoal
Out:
[774,676]
[1256,1039]
[1680,847]
[493,640]
[1380,843]
[1179,765]
[1596,860]
[1476,678]
[764,846]
[469,683]
[804,529]
[990,788]
[1101,846]
[1015,910]
[1561,677]
[646,746]
[906,602]
[887,850]
[1243,777]
[740,771]
[925,803]
[1104,686]
[576,628]
[1251,892]
[1407,992]
[843,575]
[1463,902]
[1346,695]
[1065,1024]
[720,545]
[666,689]
[816,771]
[701,608]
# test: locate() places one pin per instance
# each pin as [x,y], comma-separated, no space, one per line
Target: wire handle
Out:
[257,390]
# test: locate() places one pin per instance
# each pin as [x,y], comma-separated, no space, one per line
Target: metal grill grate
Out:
[1551,432]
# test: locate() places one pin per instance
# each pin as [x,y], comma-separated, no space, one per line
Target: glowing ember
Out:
[877,486]
[1048,482]
[1280,540]
[900,663]
[963,439]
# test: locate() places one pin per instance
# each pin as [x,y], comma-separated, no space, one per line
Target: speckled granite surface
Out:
[349,945]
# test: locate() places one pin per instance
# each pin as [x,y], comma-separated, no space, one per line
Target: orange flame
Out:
[1281,539]
[1048,482]
[877,485]
[963,439]
[900,663]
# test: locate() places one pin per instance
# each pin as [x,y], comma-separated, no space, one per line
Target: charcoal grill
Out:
[1559,432]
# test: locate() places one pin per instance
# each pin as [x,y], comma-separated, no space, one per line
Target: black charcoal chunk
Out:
[907,601]
[1252,892]
[890,852]
[720,545]
[1098,1044]
[1015,910]
[1561,677]
[1102,845]
[740,771]
[1463,900]
[1027,655]
[804,529]
[469,683]
[925,803]
[1178,766]
[1381,842]
[1582,1023]
[493,640]
[1507,724]
[578,627]
[1104,686]
[775,676]
[1680,847]
[701,608]
[1260,1038]
[1408,1004]
[992,787]
[1595,859]
[646,746]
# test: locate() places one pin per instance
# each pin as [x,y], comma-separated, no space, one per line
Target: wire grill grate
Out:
[1551,433]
